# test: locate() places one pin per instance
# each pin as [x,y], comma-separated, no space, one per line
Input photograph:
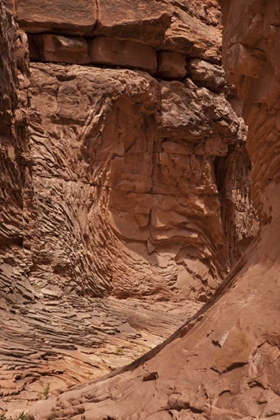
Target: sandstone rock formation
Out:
[224,363]
[135,179]
[16,186]
[124,174]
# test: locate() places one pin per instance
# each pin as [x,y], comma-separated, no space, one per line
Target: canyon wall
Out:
[141,181]
[15,165]
[224,363]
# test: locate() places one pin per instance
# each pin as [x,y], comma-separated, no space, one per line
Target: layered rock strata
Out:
[135,177]
[54,343]
[120,180]
[16,186]
[124,182]
[224,363]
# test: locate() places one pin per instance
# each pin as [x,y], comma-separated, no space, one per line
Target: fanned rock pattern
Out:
[135,179]
[124,182]
[16,187]
[56,343]
[224,363]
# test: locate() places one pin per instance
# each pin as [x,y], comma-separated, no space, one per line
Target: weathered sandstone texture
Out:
[137,185]
[124,173]
[53,344]
[16,187]
[224,363]
[124,183]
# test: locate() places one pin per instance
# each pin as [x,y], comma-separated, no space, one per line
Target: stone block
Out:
[171,65]
[137,20]
[60,16]
[116,53]
[61,49]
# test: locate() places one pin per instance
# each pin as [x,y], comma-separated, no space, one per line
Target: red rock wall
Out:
[224,363]
[136,178]
[16,187]
[251,59]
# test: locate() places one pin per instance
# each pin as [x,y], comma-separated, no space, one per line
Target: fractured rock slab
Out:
[190,36]
[137,20]
[113,52]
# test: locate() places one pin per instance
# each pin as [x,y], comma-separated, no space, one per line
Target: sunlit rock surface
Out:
[141,184]
[124,177]
[224,363]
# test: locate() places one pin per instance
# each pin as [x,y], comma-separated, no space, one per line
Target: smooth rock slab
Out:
[113,52]
[75,17]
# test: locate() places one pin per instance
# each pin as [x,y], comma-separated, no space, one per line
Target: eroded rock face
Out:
[224,364]
[16,189]
[135,190]
[124,182]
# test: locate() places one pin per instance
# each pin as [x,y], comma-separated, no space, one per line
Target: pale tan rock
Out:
[112,52]
[61,16]
[61,49]
[171,65]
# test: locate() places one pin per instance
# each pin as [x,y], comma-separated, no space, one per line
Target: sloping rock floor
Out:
[58,342]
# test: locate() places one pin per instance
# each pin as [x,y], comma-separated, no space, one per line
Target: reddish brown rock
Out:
[246,25]
[105,140]
[245,61]
[34,53]
[61,16]
[151,178]
[112,52]
[61,49]
[11,5]
[190,36]
[16,188]
[134,191]
[139,20]
[206,74]
[224,363]
[171,65]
